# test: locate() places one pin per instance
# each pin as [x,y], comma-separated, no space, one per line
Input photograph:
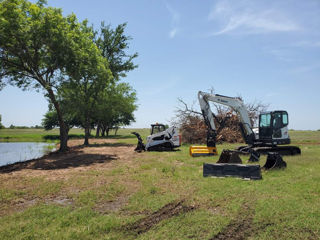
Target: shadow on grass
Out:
[110,145]
[56,161]
[116,137]
[80,136]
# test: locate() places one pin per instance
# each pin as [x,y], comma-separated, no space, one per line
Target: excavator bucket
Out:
[140,146]
[252,172]
[200,151]
[229,156]
[274,161]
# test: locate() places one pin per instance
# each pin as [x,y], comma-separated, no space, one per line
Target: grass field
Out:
[162,195]
[40,135]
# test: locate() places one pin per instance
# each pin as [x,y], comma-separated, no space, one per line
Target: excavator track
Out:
[282,150]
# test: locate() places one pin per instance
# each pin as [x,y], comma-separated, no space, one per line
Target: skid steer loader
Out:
[160,139]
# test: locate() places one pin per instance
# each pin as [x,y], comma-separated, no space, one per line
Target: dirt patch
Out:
[168,211]
[60,200]
[18,205]
[112,206]
[102,153]
[241,227]
[98,159]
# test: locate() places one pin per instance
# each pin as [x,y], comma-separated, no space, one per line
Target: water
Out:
[22,151]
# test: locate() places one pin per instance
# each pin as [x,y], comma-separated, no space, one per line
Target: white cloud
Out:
[173,32]
[175,19]
[244,17]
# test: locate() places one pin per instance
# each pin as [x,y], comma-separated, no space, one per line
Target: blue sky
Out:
[267,51]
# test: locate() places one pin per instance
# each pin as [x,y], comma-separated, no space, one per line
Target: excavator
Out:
[271,132]
[160,139]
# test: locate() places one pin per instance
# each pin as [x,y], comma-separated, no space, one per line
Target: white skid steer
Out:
[160,139]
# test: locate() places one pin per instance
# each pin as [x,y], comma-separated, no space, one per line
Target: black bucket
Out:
[229,156]
[232,170]
[274,161]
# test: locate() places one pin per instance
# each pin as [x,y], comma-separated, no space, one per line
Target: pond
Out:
[22,151]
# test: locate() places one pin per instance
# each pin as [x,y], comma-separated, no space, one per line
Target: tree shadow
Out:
[110,145]
[115,136]
[58,161]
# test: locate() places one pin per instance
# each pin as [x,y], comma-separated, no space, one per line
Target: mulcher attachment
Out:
[140,146]
[274,161]
[252,172]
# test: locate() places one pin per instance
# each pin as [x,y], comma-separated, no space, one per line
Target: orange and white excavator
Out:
[271,132]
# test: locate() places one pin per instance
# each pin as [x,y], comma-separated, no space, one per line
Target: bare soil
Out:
[241,227]
[168,211]
[101,154]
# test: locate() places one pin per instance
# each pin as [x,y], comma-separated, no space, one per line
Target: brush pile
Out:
[194,131]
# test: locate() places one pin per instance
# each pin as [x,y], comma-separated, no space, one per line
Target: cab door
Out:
[265,126]
[279,121]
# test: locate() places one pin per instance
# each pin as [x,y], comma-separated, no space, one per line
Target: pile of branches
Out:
[194,130]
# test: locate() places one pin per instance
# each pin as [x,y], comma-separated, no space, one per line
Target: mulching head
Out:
[140,145]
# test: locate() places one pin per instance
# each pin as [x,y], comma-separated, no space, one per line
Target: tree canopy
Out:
[41,49]
[1,126]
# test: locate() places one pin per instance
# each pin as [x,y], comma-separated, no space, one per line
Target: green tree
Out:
[116,108]
[113,44]
[1,126]
[85,92]
[86,84]
[41,49]
[50,120]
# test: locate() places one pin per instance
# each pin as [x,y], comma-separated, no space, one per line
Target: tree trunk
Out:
[103,131]
[86,132]
[107,131]
[98,130]
[62,125]
[116,130]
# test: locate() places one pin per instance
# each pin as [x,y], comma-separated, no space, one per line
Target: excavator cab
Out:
[273,127]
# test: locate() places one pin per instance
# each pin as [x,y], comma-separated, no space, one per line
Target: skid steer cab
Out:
[161,138]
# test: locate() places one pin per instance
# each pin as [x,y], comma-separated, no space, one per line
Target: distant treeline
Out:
[24,127]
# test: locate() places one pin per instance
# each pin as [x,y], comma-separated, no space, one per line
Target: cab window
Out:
[285,119]
[265,120]
[157,129]
[277,120]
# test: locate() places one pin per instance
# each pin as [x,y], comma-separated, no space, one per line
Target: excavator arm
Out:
[236,104]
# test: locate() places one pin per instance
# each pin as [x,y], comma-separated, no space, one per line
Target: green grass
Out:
[40,135]
[285,203]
